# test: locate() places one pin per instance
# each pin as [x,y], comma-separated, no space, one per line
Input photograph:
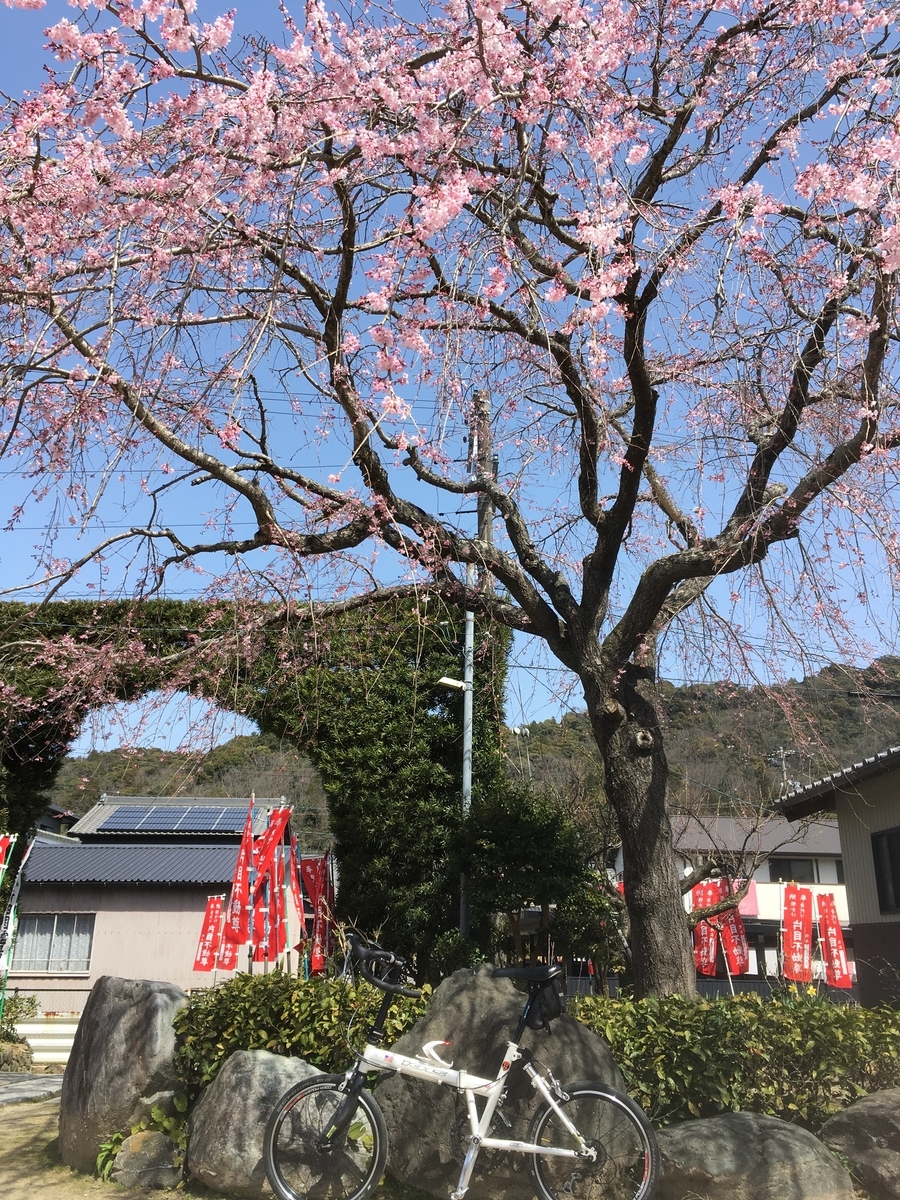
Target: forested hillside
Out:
[726,742]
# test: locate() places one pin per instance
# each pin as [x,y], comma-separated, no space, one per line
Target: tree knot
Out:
[643,741]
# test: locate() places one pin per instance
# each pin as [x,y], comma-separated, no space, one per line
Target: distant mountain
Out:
[727,742]
[236,768]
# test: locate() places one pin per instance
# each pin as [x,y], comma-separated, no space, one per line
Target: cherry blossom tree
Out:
[641,254]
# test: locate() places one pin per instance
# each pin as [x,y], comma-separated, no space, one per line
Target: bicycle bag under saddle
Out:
[545,1007]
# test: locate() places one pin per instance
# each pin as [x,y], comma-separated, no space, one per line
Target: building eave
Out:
[821,796]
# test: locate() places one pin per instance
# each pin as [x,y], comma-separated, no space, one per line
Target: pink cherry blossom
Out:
[642,254]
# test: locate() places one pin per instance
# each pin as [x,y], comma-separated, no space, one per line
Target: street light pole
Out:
[465,686]
[468,710]
[481,465]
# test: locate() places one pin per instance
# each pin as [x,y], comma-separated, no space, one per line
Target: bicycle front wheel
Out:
[301,1164]
[625,1165]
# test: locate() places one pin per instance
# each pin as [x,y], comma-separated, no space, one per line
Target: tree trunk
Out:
[626,726]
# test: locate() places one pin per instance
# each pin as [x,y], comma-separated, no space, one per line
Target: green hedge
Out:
[799,1057]
[285,1015]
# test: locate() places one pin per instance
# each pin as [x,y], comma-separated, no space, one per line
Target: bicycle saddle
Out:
[541,974]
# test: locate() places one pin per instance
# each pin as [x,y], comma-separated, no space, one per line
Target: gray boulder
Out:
[868,1135]
[426,1124]
[148,1160]
[745,1156]
[121,1064]
[225,1138]
[16,1056]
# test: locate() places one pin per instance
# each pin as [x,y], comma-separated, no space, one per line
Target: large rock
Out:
[16,1056]
[225,1139]
[121,1064]
[868,1135]
[745,1156]
[426,1124]
[148,1160]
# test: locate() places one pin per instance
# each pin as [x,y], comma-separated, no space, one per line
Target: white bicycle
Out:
[327,1139]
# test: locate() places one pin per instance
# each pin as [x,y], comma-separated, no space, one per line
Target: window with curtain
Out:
[54,942]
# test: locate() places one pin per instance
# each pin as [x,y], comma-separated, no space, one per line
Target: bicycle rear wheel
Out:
[626,1166]
[300,1166]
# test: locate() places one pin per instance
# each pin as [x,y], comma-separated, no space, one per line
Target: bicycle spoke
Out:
[300,1168]
[624,1163]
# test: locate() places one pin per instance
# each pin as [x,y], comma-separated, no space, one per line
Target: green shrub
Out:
[277,1012]
[795,1056]
[16,1008]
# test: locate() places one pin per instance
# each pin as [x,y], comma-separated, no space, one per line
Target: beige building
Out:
[125,895]
[133,911]
[866,801]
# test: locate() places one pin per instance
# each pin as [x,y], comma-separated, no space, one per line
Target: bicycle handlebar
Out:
[365,954]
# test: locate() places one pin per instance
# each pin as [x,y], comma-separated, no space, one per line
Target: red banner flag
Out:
[319,951]
[269,936]
[706,939]
[264,850]
[313,878]
[261,926]
[831,939]
[228,956]
[797,933]
[205,959]
[7,841]
[734,942]
[297,894]
[237,916]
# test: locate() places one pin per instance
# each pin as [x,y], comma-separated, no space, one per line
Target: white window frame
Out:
[43,937]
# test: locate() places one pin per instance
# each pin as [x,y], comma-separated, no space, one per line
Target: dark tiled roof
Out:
[820,796]
[76,863]
[773,836]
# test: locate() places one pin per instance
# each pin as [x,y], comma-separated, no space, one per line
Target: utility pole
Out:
[481,465]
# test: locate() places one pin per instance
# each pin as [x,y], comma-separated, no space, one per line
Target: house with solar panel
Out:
[125,894]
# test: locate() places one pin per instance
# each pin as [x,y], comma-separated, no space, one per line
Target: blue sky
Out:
[533,687]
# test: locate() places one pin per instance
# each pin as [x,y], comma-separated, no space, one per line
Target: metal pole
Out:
[725,958]
[481,464]
[467,738]
[468,712]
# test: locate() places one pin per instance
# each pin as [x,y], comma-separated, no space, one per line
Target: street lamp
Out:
[522,731]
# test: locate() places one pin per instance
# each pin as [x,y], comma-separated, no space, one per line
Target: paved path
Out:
[17,1087]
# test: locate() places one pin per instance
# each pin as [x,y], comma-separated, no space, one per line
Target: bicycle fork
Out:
[477,1139]
[343,1115]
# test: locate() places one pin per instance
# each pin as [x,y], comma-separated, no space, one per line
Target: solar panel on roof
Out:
[124,817]
[161,818]
[200,820]
[231,820]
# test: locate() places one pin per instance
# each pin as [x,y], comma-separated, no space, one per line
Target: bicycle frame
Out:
[373,1058]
